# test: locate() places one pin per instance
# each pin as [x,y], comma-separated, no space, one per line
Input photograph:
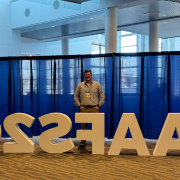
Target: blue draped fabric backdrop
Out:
[4,93]
[146,84]
[127,74]
[155,107]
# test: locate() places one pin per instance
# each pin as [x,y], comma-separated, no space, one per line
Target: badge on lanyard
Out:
[87,95]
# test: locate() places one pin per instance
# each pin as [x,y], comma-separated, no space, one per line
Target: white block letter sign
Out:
[23,144]
[46,138]
[97,132]
[165,141]
[137,142]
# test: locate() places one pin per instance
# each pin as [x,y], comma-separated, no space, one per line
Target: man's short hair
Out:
[88,70]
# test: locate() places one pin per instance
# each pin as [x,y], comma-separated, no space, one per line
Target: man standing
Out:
[87,99]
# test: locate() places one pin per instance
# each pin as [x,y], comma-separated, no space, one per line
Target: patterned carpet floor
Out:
[83,165]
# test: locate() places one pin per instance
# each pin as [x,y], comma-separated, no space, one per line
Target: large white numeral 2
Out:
[23,144]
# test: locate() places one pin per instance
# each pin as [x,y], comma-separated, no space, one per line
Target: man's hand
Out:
[81,107]
[96,107]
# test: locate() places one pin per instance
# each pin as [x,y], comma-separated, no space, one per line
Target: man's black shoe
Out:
[81,147]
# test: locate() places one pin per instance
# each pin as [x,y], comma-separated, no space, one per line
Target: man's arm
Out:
[76,96]
[101,95]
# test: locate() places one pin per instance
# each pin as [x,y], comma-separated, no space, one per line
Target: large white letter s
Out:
[46,138]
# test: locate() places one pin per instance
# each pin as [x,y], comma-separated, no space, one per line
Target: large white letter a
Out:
[165,141]
[137,142]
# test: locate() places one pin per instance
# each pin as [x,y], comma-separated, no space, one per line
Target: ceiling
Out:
[167,29]
[66,30]
[77,1]
[134,19]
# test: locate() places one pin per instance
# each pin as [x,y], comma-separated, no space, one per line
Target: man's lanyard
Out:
[89,88]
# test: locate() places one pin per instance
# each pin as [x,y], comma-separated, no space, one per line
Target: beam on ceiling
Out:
[56,4]
[63,21]
[77,1]
[178,1]
[102,31]
[96,1]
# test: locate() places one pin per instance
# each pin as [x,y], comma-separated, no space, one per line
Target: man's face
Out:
[88,76]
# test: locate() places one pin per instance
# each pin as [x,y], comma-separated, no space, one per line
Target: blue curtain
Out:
[175,84]
[4,93]
[155,95]
[126,98]
[147,84]
[141,87]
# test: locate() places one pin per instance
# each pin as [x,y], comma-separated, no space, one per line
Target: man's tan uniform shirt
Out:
[89,95]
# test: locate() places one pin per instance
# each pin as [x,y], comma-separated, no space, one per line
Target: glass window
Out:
[129,49]
[26,76]
[129,41]
[49,76]
[125,32]
[98,70]
[159,44]
[130,74]
[95,49]
[102,49]
[171,44]
[83,45]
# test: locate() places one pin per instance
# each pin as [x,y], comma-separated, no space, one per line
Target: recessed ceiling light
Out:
[43,36]
[77,31]
[53,26]
[164,15]
[91,18]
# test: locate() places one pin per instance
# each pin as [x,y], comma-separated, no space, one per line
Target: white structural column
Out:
[5,29]
[16,43]
[153,37]
[111,30]
[10,41]
[65,46]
